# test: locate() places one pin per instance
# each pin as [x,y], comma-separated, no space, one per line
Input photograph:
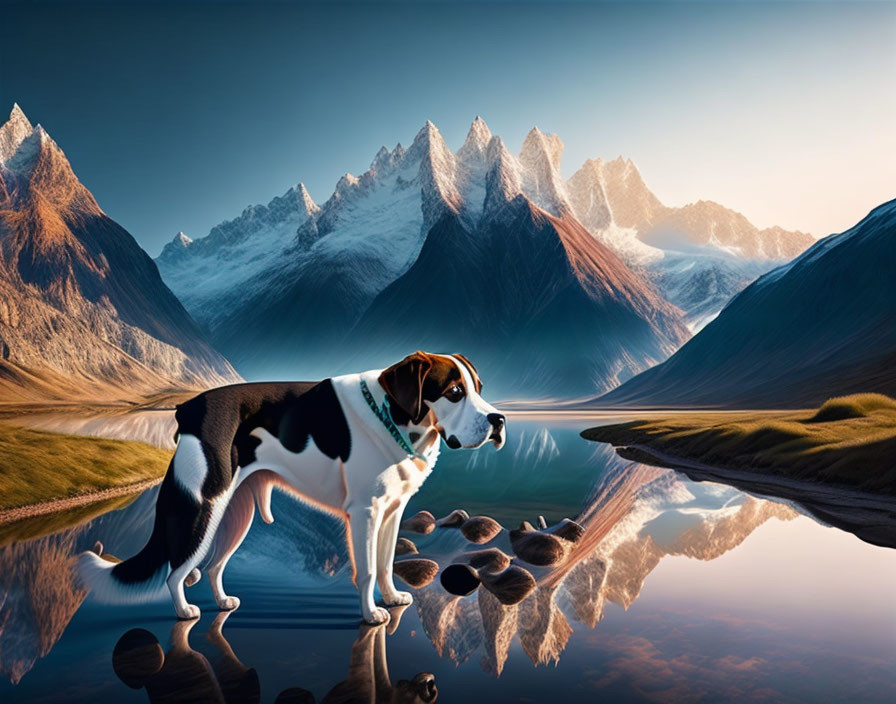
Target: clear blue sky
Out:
[178,116]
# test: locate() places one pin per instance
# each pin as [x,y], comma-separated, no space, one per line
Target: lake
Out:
[679,591]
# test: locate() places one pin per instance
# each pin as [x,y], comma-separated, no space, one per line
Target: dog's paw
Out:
[377,616]
[229,603]
[398,599]
[189,612]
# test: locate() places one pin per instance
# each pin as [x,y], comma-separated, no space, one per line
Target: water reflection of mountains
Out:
[635,516]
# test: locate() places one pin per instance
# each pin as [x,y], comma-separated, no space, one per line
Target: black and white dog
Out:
[357,446]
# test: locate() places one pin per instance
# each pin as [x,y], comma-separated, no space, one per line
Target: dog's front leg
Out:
[388,535]
[364,524]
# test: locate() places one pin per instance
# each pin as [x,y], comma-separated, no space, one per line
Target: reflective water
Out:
[679,591]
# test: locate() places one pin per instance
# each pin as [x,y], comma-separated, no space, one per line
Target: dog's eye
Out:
[455,392]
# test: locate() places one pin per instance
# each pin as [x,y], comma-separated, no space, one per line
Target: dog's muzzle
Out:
[499,429]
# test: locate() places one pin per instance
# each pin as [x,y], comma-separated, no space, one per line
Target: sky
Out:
[178,116]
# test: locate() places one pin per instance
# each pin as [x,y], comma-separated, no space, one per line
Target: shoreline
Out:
[43,508]
[871,517]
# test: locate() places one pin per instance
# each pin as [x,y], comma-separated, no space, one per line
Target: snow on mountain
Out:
[528,287]
[261,283]
[236,251]
[83,310]
[795,337]
[472,167]
[542,180]
[699,256]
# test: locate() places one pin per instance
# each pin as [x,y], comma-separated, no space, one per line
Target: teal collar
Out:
[385,417]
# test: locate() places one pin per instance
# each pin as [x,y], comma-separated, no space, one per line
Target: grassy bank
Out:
[849,441]
[37,467]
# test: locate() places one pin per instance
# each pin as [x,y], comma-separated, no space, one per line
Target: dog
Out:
[357,446]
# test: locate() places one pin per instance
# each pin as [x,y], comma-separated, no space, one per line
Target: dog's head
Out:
[448,387]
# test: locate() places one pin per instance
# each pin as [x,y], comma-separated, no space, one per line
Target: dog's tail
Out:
[139,578]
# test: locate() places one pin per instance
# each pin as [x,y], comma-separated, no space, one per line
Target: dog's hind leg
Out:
[231,532]
[204,481]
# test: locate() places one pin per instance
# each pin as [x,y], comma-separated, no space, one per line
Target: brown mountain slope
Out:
[79,298]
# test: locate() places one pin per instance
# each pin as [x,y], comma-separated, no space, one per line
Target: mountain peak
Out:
[540,159]
[16,115]
[502,181]
[181,239]
[478,137]
[538,142]
[13,132]
[307,200]
[428,134]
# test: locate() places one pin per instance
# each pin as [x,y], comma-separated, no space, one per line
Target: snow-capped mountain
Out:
[699,255]
[485,238]
[83,310]
[797,336]
[617,187]
[280,294]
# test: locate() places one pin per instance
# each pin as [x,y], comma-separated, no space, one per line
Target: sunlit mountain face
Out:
[582,282]
[800,334]
[83,310]
[687,585]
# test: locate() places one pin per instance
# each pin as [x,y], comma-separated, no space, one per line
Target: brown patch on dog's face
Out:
[419,378]
[444,379]
[474,373]
[404,383]
[441,392]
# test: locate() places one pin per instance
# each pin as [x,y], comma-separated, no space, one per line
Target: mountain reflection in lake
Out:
[678,591]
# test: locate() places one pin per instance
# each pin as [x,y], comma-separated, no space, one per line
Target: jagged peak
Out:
[498,151]
[478,138]
[380,159]
[346,182]
[307,200]
[427,138]
[13,132]
[538,143]
[17,115]
[503,182]
[181,240]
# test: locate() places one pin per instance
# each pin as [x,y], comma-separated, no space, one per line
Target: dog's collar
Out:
[385,417]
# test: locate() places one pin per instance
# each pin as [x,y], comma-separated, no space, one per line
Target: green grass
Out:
[37,466]
[849,441]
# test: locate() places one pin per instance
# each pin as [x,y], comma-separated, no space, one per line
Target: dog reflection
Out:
[368,675]
[183,675]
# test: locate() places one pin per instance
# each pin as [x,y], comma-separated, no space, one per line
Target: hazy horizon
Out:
[177,118]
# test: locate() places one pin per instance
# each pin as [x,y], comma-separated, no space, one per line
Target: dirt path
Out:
[45,507]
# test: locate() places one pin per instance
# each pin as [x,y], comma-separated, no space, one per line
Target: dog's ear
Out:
[404,383]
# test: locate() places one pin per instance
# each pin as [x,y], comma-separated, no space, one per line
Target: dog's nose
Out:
[497,421]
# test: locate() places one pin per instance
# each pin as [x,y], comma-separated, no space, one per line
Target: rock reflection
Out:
[638,515]
[182,674]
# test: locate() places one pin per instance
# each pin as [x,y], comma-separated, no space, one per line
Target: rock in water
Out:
[403,546]
[537,547]
[416,572]
[421,522]
[491,559]
[510,586]
[480,529]
[460,579]
[455,519]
